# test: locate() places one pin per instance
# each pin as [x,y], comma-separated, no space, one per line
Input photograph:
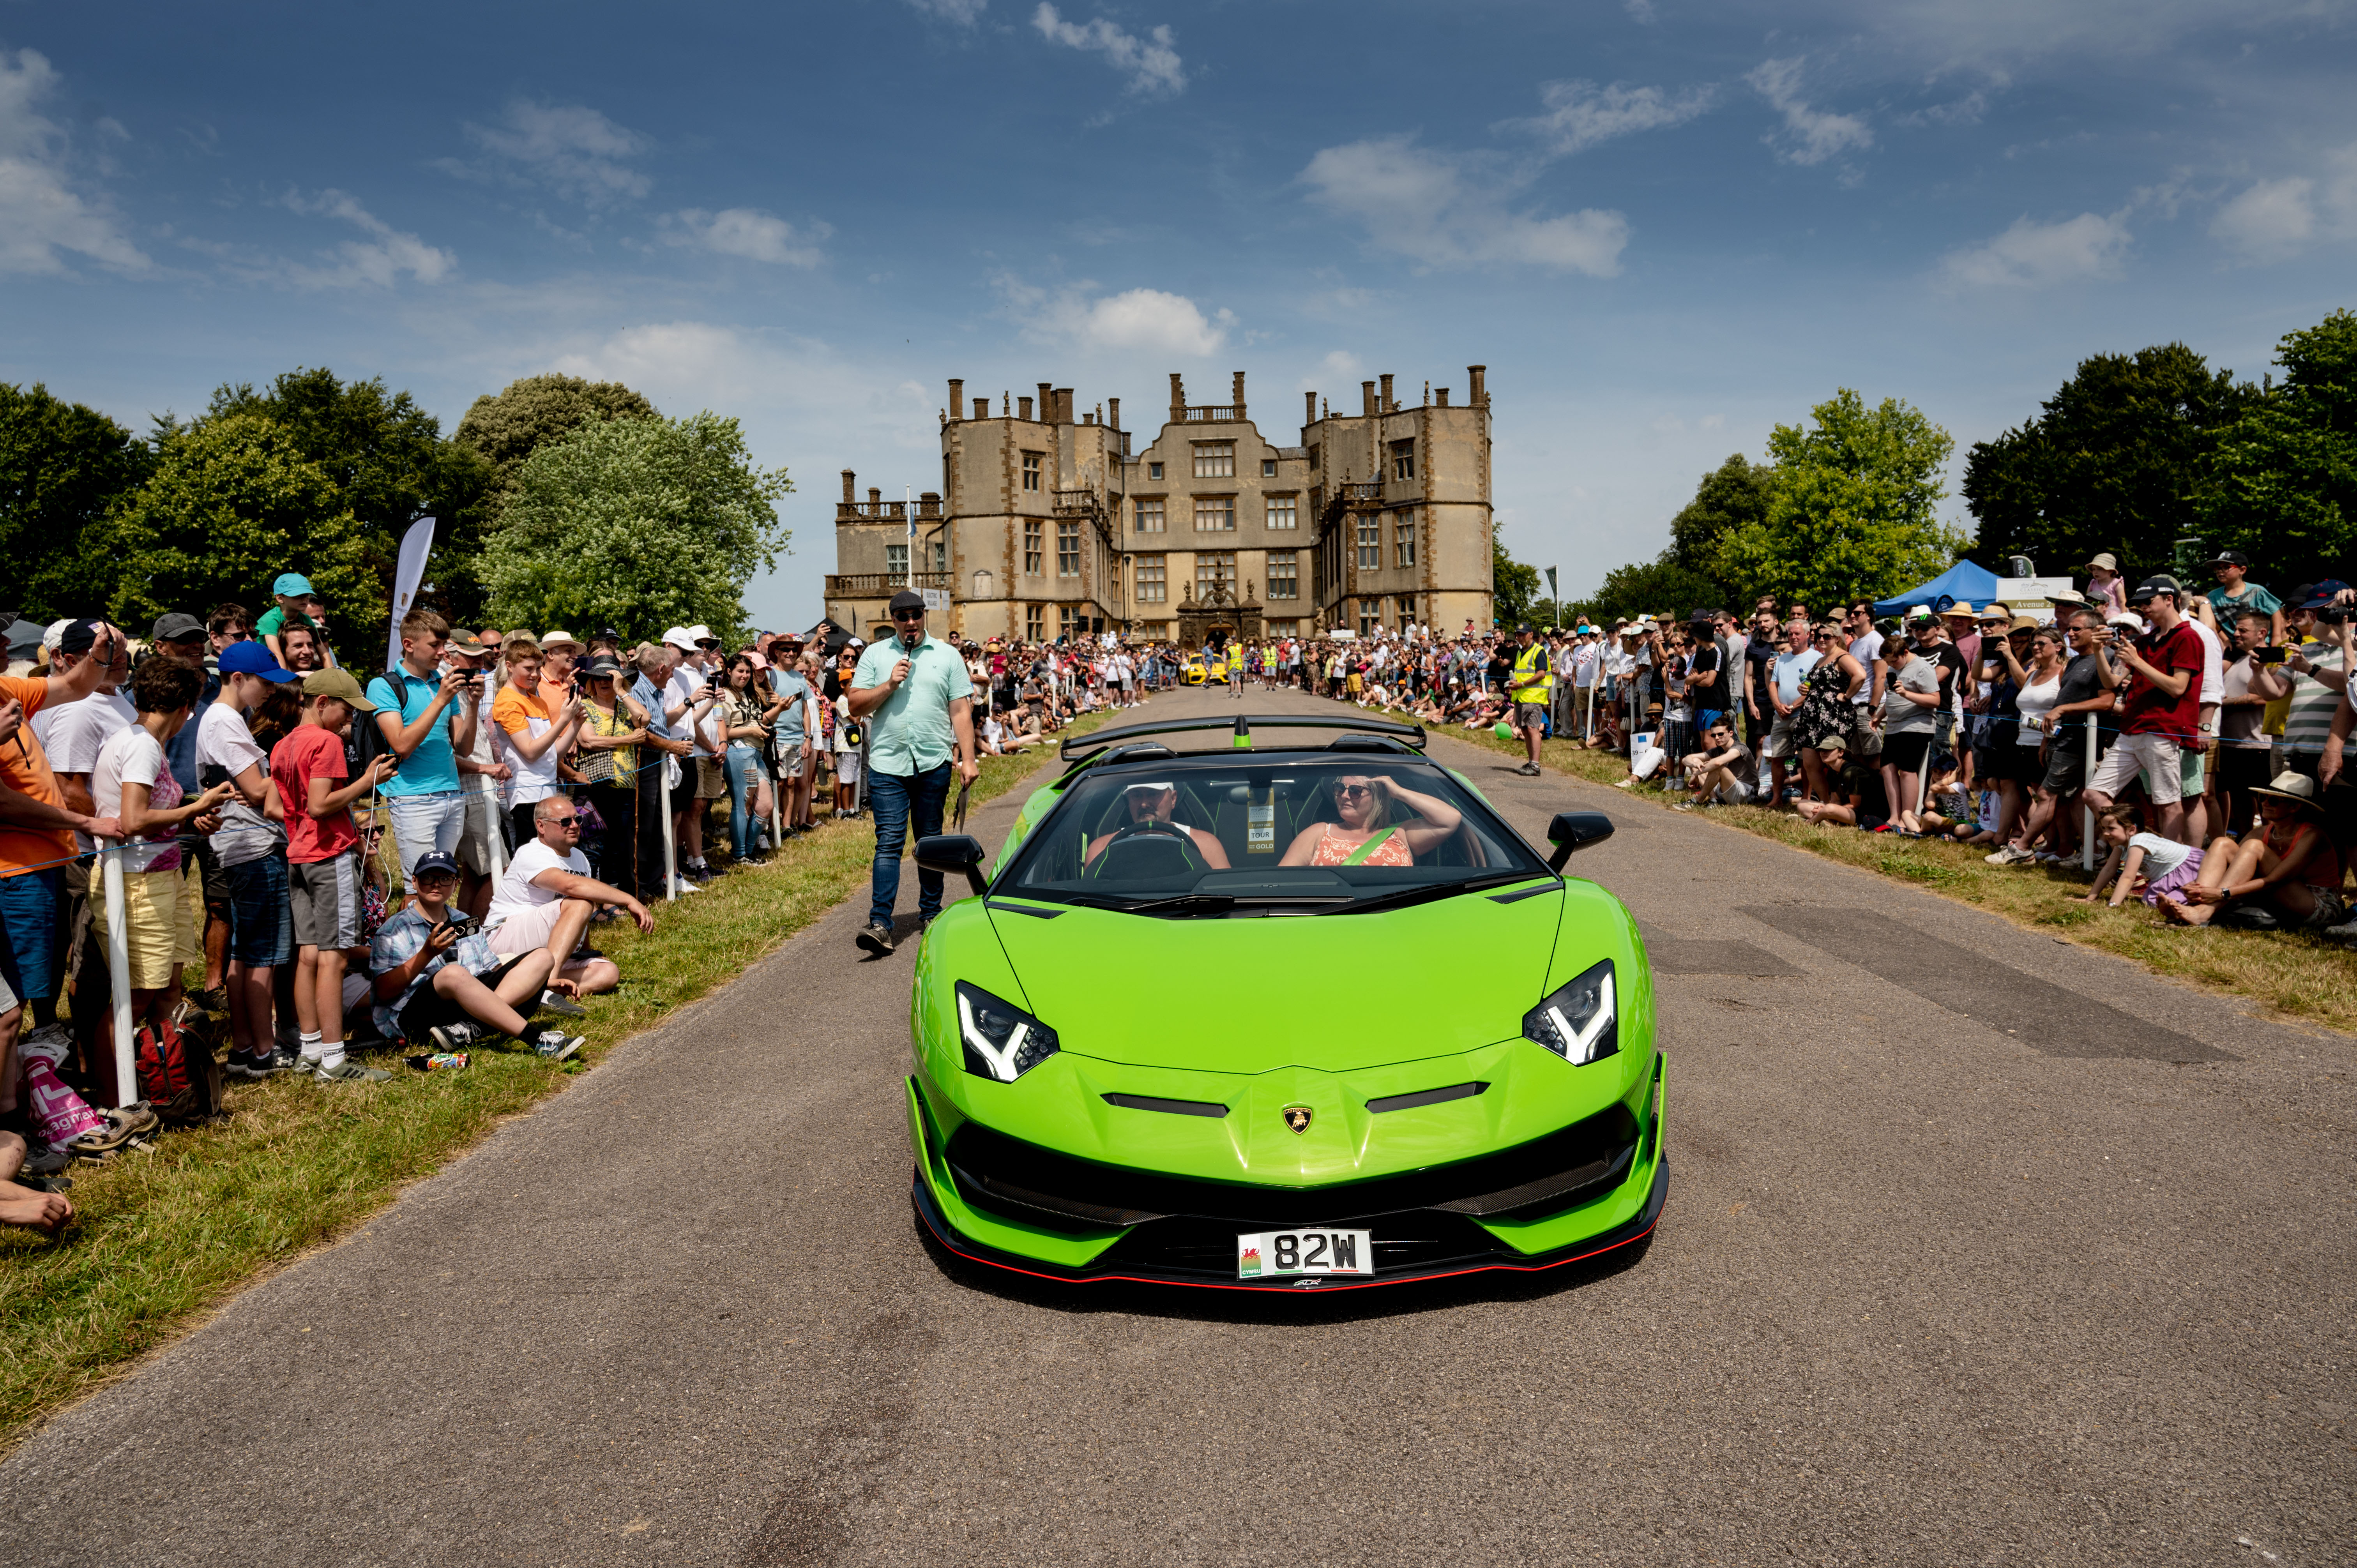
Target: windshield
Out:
[1231,835]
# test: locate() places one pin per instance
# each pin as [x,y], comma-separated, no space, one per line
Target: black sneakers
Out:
[876,937]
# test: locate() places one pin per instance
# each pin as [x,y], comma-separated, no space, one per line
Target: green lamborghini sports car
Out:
[1281,1013]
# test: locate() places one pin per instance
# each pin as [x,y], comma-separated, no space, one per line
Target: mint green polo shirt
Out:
[910,733]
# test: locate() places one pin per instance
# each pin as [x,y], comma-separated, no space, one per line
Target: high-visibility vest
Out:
[1529,662]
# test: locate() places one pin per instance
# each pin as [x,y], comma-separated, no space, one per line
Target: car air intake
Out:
[1426,1097]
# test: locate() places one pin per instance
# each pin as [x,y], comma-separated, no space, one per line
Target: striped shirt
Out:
[2312,702]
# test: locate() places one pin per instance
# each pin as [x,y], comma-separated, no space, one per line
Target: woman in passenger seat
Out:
[1367,834]
[1155,803]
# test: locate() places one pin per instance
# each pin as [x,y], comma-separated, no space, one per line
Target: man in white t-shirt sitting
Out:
[547,896]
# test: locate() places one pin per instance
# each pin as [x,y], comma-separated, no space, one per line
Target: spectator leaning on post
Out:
[323,871]
[914,692]
[425,711]
[436,979]
[2158,716]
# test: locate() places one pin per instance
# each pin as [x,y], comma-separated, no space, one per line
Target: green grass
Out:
[159,1238]
[2295,977]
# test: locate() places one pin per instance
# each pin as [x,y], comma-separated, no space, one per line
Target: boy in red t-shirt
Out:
[323,877]
[2162,709]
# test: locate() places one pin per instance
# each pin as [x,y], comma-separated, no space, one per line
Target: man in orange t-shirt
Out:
[37,831]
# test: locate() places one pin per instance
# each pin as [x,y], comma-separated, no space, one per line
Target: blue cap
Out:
[254,658]
[290,584]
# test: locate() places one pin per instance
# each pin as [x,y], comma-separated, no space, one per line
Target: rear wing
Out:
[1092,746]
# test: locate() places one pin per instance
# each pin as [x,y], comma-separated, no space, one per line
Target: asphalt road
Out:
[1980,1248]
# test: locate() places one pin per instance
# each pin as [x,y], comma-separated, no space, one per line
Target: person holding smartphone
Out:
[427,715]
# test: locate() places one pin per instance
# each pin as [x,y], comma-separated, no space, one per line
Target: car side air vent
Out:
[1426,1097]
[1174,1107]
[1369,743]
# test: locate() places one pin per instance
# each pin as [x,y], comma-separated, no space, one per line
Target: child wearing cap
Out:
[251,850]
[293,592]
[323,872]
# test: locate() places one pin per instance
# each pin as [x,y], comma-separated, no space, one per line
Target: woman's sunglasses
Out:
[1353,790]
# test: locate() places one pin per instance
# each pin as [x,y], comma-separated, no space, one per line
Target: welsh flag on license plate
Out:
[1250,1262]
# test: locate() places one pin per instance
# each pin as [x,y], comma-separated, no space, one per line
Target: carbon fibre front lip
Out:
[1635,1229]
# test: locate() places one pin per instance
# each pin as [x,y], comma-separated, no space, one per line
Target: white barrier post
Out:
[118,964]
[2086,812]
[497,838]
[670,850]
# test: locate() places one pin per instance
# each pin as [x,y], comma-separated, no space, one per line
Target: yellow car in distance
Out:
[1192,675]
[1217,672]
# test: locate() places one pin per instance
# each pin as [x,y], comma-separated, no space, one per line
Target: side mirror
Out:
[1571,831]
[946,853]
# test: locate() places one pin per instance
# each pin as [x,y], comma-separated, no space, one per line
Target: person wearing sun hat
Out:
[2104,584]
[2287,866]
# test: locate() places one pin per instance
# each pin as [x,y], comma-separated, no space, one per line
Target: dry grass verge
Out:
[162,1235]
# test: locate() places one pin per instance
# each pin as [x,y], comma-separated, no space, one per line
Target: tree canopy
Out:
[1732,495]
[640,524]
[232,502]
[2283,483]
[1851,514]
[61,467]
[2115,461]
[507,427]
[1656,587]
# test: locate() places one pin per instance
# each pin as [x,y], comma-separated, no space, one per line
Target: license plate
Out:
[1266,1254]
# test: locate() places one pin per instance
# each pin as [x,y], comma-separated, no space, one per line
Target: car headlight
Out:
[1580,1021]
[1001,1041]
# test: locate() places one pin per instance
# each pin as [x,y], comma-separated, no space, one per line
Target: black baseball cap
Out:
[432,860]
[175,626]
[2230,558]
[80,636]
[2162,584]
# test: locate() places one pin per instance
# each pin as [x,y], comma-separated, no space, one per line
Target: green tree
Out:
[635,523]
[1514,588]
[1657,587]
[61,467]
[506,428]
[231,503]
[2115,461]
[2283,483]
[1732,495]
[387,458]
[1851,514]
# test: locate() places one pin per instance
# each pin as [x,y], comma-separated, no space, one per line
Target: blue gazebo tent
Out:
[1963,583]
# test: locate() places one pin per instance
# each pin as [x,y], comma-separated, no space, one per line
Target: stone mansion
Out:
[1049,524]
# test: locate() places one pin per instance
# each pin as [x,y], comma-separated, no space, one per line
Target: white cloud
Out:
[40,212]
[963,13]
[1811,135]
[1153,64]
[1138,319]
[1640,11]
[2037,255]
[572,149]
[1340,366]
[380,260]
[1580,113]
[1453,211]
[2272,219]
[745,231]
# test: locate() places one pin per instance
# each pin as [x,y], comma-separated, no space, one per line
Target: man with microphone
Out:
[914,694]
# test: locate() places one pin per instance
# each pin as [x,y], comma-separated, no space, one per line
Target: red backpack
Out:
[178,1076]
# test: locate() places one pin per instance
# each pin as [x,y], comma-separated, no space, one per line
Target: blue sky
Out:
[1664,227]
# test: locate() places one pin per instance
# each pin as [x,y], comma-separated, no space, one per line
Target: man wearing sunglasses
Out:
[546,901]
[917,701]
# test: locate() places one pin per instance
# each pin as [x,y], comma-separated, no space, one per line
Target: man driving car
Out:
[1155,802]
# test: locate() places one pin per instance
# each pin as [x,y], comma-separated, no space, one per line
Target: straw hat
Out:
[2296,787]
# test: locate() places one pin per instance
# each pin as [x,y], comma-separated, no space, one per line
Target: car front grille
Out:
[1439,1203]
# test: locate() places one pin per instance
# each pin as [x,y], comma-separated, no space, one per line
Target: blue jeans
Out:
[897,799]
[742,763]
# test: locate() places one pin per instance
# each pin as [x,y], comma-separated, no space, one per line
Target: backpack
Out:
[178,1076]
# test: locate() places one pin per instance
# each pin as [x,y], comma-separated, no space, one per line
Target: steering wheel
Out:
[1151,825]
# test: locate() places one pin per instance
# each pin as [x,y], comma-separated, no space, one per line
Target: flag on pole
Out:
[416,546]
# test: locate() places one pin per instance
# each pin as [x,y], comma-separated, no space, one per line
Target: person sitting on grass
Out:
[2141,864]
[433,978]
[2289,868]
[1723,773]
[1847,795]
[546,900]
[1948,812]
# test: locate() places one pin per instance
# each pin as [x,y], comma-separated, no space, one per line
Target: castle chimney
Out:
[1178,400]
[1480,396]
[930,504]
[848,496]
[1237,396]
[1388,403]
[1064,405]
[957,397]
[875,499]
[1112,411]
[1024,404]
[982,408]
[1443,395]
[1046,403]
[1309,408]
[1367,396]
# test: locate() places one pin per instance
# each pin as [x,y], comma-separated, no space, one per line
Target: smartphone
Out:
[2271,655]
